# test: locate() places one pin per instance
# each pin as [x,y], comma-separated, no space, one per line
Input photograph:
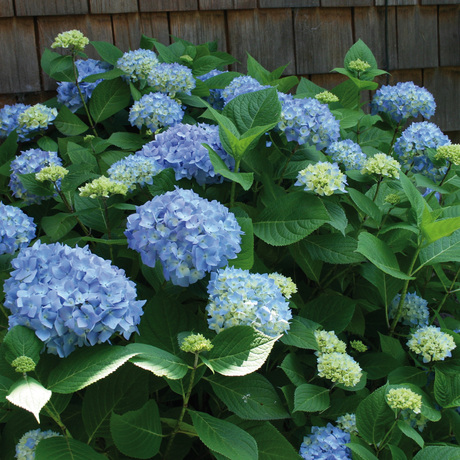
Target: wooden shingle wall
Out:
[311,36]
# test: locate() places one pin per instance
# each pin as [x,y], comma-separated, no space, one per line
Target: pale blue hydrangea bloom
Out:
[323,178]
[70,297]
[188,234]
[67,92]
[17,229]
[25,448]
[171,78]
[414,420]
[240,298]
[412,145]
[138,64]
[35,119]
[326,443]
[431,343]
[155,110]
[30,161]
[215,95]
[241,85]
[415,311]
[347,422]
[9,118]
[306,120]
[180,147]
[134,169]
[402,101]
[348,153]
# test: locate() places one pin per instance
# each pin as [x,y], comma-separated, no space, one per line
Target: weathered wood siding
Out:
[311,36]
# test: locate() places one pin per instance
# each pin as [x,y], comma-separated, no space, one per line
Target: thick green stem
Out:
[233,189]
[55,416]
[107,223]
[382,443]
[395,134]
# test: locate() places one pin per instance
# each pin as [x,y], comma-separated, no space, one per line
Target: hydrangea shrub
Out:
[200,263]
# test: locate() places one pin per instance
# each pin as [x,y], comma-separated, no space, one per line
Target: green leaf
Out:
[58,225]
[245,258]
[392,347]
[60,448]
[82,156]
[396,452]
[361,451]
[224,437]
[406,429]
[30,395]
[338,218]
[61,69]
[257,71]
[377,365]
[47,58]
[307,88]
[21,341]
[418,203]
[294,369]
[239,351]
[5,385]
[380,254]
[311,398]
[68,123]
[108,98]
[445,249]
[108,52]
[333,248]
[127,141]
[251,397]
[447,389]
[311,267]
[366,205]
[86,366]
[8,147]
[35,187]
[109,75]
[138,434]
[438,452]
[374,417]
[160,362]
[360,51]
[301,334]
[48,144]
[435,230]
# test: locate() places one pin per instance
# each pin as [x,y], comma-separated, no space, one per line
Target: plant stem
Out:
[398,126]
[107,224]
[287,163]
[55,416]
[448,292]
[377,189]
[382,442]
[233,189]
[184,408]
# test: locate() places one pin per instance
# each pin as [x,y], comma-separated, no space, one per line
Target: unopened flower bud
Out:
[196,343]
[23,364]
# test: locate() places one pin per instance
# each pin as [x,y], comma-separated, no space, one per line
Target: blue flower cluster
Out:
[171,78]
[30,161]
[240,298]
[138,64]
[180,147]
[402,101]
[307,120]
[134,169]
[412,146]
[9,115]
[215,95]
[25,448]
[17,229]
[415,311]
[241,85]
[67,92]
[155,110]
[348,153]
[326,443]
[70,297]
[188,234]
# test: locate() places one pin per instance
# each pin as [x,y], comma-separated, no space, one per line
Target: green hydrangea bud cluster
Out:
[285,283]
[23,364]
[339,368]
[383,165]
[52,173]
[449,152]
[392,198]
[323,178]
[89,138]
[72,39]
[347,423]
[431,343]
[358,65]
[358,346]
[404,398]
[196,343]
[328,342]
[36,117]
[326,97]
[102,187]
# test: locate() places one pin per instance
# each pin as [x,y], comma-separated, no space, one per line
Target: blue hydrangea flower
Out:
[67,92]
[241,85]
[30,161]
[25,448]
[180,147]
[415,311]
[307,120]
[134,169]
[188,234]
[17,229]
[171,78]
[412,145]
[240,298]
[431,343]
[326,443]
[34,120]
[9,118]
[138,64]
[155,110]
[402,101]
[215,95]
[70,297]
[348,153]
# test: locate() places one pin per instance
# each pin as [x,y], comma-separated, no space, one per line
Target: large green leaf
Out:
[311,398]
[360,51]
[447,389]
[224,437]
[21,341]
[5,385]
[86,366]
[418,203]
[361,452]
[138,434]
[333,248]
[58,225]
[60,448]
[8,148]
[108,98]
[251,397]
[311,267]
[407,374]
[294,369]
[301,334]
[406,429]
[239,351]
[446,249]
[365,205]
[110,53]
[435,230]
[245,258]
[438,452]
[68,123]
